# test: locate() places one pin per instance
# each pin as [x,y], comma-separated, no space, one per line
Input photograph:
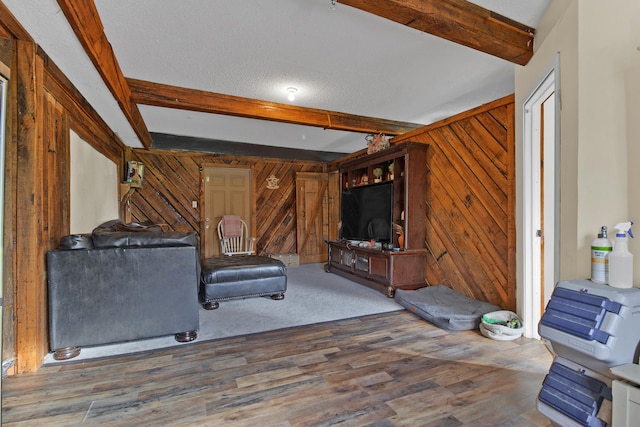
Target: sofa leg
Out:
[66,353]
[211,305]
[186,336]
[278,297]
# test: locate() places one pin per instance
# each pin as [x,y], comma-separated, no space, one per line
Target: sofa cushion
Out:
[239,268]
[125,239]
[116,234]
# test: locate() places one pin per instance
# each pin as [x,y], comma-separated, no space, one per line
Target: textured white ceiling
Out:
[341,60]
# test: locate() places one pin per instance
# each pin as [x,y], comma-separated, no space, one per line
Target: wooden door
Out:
[312,216]
[227,191]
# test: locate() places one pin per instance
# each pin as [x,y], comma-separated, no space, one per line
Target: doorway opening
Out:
[541,248]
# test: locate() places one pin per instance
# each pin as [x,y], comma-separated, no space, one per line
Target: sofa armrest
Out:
[76,241]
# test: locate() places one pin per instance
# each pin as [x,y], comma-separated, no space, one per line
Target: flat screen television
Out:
[367,213]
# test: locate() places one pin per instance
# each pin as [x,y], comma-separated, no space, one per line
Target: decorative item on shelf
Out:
[364,180]
[376,142]
[377,173]
[272,182]
[390,169]
[397,228]
[135,172]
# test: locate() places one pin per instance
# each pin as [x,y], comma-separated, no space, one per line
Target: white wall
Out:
[599,84]
[631,78]
[93,187]
[609,35]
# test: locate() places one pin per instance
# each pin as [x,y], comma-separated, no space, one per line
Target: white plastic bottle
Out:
[620,259]
[600,250]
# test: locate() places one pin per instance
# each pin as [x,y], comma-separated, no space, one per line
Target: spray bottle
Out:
[600,250]
[620,259]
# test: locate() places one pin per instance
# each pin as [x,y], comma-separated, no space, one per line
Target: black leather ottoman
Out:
[231,277]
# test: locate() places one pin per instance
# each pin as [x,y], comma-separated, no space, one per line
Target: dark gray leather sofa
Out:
[120,283]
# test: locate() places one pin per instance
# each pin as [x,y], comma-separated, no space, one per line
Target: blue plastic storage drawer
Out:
[574,394]
[579,314]
[592,324]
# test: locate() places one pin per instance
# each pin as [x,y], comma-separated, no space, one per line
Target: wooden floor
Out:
[384,370]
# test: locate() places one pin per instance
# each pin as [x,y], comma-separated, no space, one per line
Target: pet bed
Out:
[444,307]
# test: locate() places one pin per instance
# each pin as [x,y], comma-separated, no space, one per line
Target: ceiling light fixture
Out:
[333,4]
[292,93]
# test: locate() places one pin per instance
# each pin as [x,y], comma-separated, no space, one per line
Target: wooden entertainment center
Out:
[404,266]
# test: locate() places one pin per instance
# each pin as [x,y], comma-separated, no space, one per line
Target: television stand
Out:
[405,165]
[383,270]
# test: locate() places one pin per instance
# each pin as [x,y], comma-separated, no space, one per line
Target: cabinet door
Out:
[362,264]
[341,259]
[347,258]
[379,267]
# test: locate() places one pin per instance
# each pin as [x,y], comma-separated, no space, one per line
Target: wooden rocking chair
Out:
[233,236]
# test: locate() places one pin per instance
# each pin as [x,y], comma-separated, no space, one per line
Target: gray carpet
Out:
[312,296]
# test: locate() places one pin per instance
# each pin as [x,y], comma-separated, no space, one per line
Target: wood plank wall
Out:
[172,182]
[470,222]
[42,108]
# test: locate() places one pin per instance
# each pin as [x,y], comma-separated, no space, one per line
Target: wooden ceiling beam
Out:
[85,21]
[459,21]
[161,95]
[456,20]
